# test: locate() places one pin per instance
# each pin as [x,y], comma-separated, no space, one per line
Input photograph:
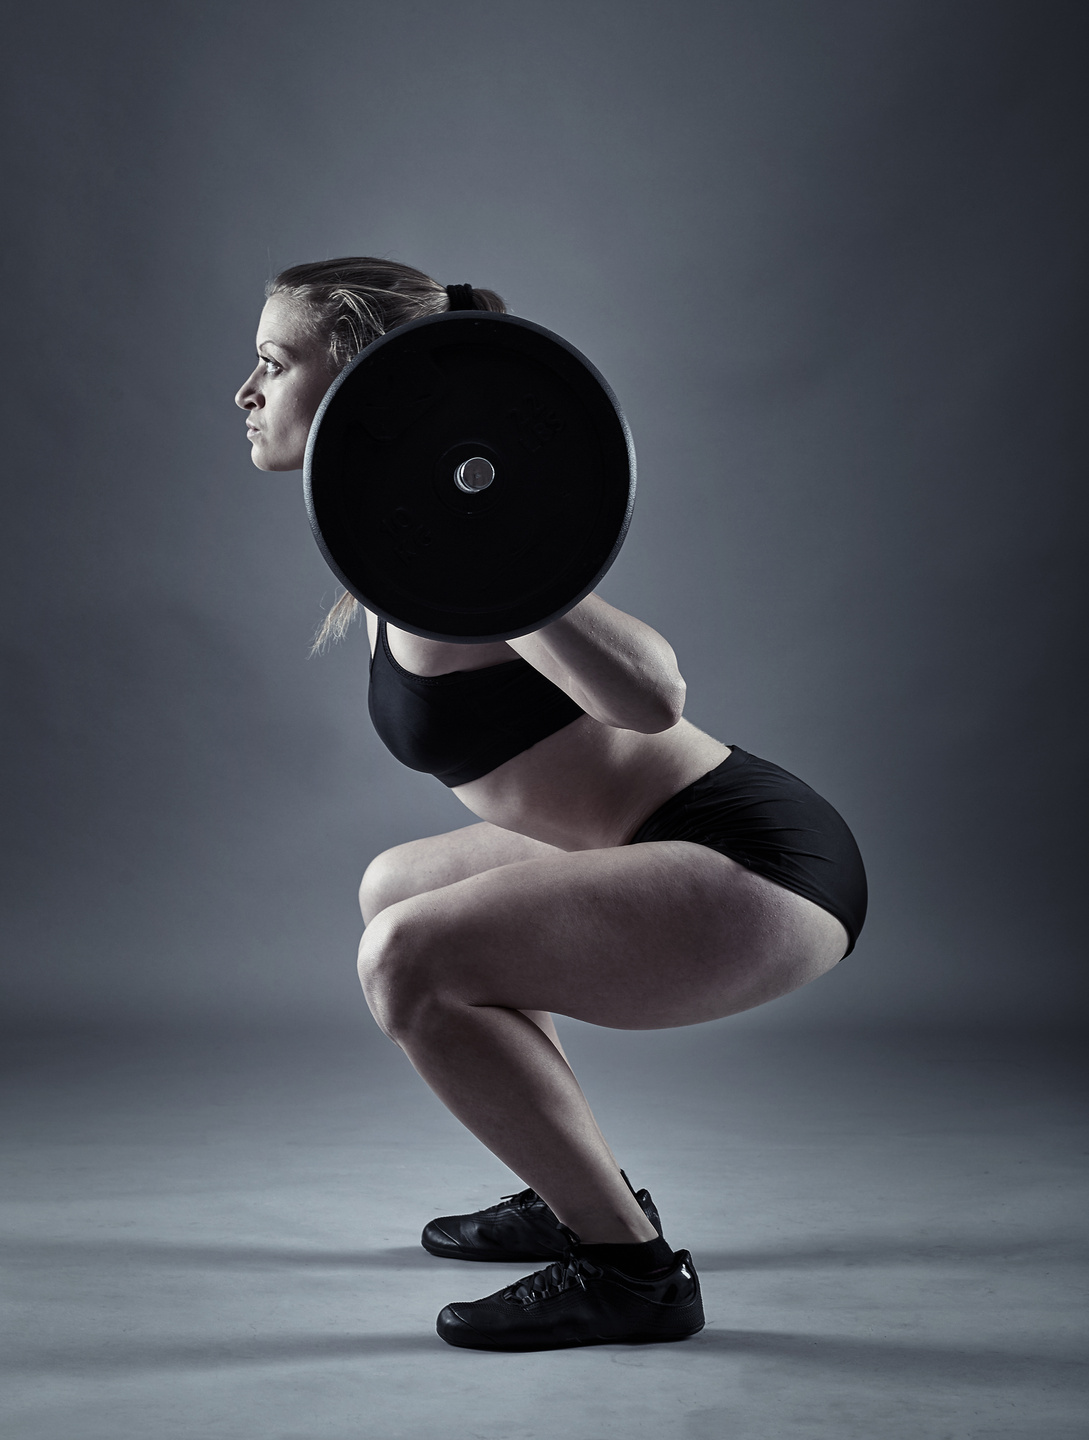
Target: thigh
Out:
[639,937]
[440,860]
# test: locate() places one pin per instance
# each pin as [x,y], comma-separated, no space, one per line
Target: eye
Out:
[267,366]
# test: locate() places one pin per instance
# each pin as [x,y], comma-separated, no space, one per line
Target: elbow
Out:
[667,696]
[661,710]
[670,707]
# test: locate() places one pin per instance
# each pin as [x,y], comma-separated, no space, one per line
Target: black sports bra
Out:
[460,726]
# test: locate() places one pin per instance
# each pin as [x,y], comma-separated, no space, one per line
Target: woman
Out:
[627,870]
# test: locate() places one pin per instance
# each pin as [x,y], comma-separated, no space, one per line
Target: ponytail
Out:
[335,625]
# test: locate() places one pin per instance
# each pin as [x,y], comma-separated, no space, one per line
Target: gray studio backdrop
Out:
[830,257]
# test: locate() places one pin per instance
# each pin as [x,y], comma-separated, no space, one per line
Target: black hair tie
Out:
[461,297]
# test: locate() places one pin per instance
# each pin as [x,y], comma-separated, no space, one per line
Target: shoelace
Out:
[520,1201]
[561,1275]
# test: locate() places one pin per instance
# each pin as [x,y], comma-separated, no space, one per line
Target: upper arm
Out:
[618,669]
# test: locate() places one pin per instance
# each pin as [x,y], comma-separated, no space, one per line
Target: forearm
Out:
[619,670]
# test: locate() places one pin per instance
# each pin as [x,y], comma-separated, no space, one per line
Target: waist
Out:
[589,786]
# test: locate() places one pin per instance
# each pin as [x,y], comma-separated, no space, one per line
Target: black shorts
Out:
[774,824]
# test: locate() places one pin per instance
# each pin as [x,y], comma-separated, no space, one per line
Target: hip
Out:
[774,824]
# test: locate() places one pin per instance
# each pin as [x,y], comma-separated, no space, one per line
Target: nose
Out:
[249,397]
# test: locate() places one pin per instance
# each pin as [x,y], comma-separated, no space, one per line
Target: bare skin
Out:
[282,395]
[474,939]
[472,935]
[644,937]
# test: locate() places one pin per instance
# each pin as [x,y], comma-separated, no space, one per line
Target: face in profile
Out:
[282,395]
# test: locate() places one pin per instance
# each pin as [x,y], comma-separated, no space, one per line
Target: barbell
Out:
[469,476]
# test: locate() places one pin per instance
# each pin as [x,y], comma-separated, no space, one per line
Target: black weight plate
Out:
[389,437]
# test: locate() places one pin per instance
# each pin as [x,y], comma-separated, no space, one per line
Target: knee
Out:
[385,881]
[397,971]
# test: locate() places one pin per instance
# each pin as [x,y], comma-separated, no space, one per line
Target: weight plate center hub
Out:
[474,475]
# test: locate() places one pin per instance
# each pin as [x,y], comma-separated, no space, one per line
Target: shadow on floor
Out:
[870,1250]
[181,1252]
[210,1353]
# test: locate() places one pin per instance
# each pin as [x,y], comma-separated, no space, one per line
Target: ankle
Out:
[600,1227]
[616,1234]
[644,1258]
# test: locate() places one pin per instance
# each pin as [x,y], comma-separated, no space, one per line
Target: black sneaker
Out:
[520,1227]
[575,1302]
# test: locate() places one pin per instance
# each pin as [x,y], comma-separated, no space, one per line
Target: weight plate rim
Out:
[466,320]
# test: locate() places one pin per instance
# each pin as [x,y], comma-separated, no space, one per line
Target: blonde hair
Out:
[349,303]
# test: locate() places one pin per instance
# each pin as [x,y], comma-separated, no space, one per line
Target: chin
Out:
[276,464]
[270,464]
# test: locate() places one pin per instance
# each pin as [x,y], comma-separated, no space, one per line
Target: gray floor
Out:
[216,1237]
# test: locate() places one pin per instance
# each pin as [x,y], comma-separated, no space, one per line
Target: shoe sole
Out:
[506,1257]
[460,1342]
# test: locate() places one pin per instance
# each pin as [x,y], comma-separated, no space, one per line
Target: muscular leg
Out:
[640,937]
[439,860]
